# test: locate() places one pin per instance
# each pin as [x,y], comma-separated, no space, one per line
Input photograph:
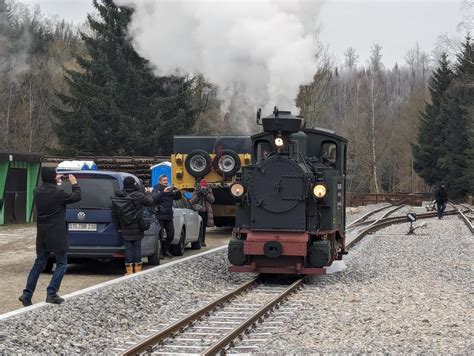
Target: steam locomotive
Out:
[290,215]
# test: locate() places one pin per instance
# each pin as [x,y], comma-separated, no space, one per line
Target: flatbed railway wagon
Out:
[217,159]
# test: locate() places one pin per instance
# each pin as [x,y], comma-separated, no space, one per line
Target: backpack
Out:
[127,211]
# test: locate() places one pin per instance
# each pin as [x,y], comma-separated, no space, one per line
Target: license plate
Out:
[82,227]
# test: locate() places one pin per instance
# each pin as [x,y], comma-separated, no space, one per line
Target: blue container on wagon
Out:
[159,169]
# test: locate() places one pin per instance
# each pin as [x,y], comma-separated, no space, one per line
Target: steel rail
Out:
[156,338]
[232,335]
[467,220]
[390,221]
[365,216]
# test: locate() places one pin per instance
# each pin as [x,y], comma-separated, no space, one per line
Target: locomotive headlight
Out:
[279,142]
[319,191]
[237,190]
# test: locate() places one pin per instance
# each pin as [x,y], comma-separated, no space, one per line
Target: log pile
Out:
[139,166]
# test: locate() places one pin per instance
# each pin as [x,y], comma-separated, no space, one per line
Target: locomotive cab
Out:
[290,206]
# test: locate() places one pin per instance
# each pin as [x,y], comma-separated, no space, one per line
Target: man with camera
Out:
[203,196]
[51,237]
[163,196]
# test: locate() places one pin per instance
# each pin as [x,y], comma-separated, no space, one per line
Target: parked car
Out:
[187,226]
[91,232]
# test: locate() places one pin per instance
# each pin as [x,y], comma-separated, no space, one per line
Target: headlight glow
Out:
[279,142]
[319,191]
[237,190]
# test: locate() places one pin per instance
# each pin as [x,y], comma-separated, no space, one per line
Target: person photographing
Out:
[163,195]
[204,197]
[127,214]
[51,236]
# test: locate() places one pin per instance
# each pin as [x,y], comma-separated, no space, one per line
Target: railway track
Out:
[215,327]
[363,220]
[402,219]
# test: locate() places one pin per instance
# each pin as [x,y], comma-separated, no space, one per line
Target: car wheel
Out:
[196,245]
[155,258]
[49,265]
[178,250]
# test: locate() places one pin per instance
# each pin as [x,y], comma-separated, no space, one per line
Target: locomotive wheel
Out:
[198,163]
[227,163]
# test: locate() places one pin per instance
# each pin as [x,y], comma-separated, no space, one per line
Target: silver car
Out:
[187,226]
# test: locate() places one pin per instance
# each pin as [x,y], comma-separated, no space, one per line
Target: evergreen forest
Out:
[68,90]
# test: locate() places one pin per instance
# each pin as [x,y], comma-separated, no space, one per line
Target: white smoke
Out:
[257,52]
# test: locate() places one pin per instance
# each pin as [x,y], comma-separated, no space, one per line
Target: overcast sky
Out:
[396,25]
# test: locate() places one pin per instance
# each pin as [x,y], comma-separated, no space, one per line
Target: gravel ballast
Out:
[399,293]
[100,321]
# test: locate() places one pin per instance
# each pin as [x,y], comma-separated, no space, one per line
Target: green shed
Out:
[19,173]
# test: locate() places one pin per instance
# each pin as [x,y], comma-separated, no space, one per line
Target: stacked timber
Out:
[139,166]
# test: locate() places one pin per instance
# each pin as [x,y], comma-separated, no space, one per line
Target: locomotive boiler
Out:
[290,214]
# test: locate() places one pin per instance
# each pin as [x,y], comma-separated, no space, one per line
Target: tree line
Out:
[86,91]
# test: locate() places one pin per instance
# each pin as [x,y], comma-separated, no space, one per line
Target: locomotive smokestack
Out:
[281,122]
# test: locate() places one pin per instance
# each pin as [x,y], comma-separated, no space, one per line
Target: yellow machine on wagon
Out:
[217,159]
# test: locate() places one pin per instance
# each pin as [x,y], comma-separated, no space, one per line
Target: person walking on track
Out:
[441,197]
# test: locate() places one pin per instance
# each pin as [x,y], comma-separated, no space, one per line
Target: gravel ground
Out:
[413,296]
[97,322]
[17,254]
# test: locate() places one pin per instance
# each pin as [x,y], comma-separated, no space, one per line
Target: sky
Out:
[396,25]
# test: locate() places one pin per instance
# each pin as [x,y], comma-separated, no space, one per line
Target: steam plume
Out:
[257,52]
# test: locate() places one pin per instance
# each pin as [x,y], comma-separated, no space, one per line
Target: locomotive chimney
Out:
[281,122]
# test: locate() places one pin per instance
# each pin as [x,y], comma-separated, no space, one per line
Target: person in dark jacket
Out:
[51,234]
[441,198]
[133,233]
[163,195]
[204,197]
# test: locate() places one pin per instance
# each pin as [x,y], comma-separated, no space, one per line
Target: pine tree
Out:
[453,157]
[116,105]
[463,90]
[431,133]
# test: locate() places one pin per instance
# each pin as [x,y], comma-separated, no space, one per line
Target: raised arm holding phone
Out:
[51,237]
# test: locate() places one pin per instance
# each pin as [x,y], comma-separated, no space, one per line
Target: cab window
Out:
[263,150]
[329,153]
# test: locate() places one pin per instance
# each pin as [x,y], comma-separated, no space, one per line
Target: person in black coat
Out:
[441,197]
[51,234]
[133,233]
[163,195]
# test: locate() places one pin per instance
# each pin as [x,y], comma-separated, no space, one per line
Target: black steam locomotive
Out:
[290,214]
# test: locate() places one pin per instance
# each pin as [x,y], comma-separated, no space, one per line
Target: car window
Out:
[96,191]
[178,204]
[186,203]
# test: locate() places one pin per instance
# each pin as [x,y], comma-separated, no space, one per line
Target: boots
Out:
[138,267]
[129,267]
